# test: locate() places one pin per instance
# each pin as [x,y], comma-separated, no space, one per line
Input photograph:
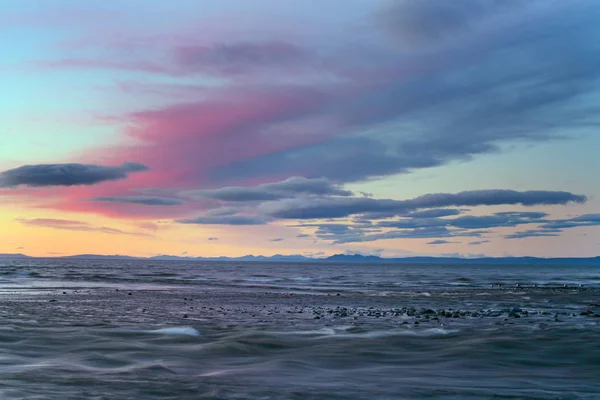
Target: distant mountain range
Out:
[338,258]
[13,256]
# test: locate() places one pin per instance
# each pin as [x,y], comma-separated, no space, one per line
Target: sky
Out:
[229,127]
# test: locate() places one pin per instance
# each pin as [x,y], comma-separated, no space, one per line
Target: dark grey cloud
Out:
[478,242]
[503,219]
[277,240]
[339,233]
[288,188]
[80,226]
[434,213]
[523,214]
[582,220]
[410,223]
[222,211]
[462,226]
[330,207]
[496,198]
[440,241]
[556,227]
[141,200]
[490,221]
[226,220]
[66,174]
[534,233]
[416,233]
[212,239]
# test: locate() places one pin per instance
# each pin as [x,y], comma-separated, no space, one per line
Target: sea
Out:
[120,329]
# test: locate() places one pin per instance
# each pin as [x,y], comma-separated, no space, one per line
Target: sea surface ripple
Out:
[194,330]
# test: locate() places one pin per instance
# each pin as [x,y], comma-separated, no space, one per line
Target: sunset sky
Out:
[232,127]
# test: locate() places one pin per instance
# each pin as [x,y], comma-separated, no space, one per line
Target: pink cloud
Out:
[183,143]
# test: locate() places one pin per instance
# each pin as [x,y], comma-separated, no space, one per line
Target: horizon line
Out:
[299,257]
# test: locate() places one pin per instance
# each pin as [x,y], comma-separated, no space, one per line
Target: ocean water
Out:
[177,330]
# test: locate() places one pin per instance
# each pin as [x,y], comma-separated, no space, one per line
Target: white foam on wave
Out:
[322,331]
[217,372]
[395,332]
[262,280]
[342,333]
[179,330]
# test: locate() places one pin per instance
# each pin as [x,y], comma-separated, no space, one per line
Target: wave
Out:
[180,330]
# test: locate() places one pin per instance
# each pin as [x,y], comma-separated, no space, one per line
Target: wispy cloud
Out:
[71,225]
[141,200]
[226,220]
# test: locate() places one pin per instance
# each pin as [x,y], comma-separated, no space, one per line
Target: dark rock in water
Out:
[64,292]
[129,294]
[317,317]
[51,300]
[428,311]
[416,322]
[185,316]
[514,313]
